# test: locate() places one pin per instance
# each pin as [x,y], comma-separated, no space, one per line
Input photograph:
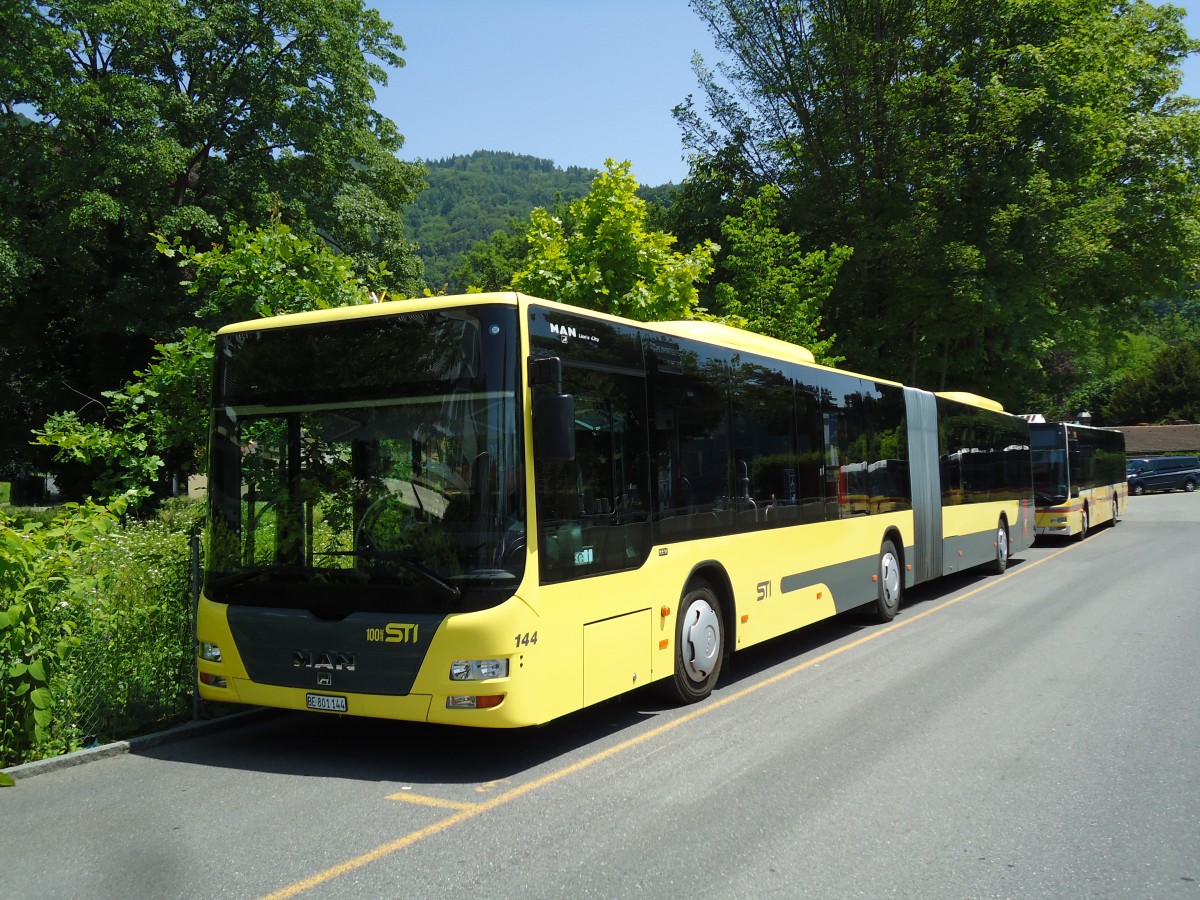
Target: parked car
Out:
[1162,473]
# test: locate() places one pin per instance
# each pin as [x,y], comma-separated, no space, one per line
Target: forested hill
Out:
[469,197]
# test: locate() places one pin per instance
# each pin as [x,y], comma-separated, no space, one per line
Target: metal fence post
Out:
[194,543]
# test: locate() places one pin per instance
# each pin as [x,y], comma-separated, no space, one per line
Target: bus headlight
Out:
[478,669]
[209,652]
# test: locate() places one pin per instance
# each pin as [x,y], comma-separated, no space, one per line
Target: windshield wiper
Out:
[1045,499]
[231,578]
[450,590]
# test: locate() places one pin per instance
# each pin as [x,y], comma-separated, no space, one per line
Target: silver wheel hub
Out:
[889,578]
[701,637]
[1002,544]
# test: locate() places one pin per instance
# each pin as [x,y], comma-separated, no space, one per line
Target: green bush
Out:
[5,492]
[37,586]
[95,627]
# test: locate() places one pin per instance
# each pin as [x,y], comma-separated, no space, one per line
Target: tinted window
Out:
[694,492]
[983,454]
[593,515]
[888,482]
[369,464]
[866,446]
[777,446]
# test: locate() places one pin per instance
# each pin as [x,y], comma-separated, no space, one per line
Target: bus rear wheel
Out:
[889,583]
[1000,563]
[699,644]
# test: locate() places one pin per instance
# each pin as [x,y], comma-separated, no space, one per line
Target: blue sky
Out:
[573,81]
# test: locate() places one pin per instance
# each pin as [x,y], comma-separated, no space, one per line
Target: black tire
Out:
[1137,489]
[699,644]
[1189,485]
[1083,532]
[889,583]
[1000,563]
[1116,508]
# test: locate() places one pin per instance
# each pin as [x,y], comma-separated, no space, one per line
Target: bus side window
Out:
[592,513]
[694,491]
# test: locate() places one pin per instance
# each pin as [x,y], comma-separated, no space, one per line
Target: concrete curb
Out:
[183,732]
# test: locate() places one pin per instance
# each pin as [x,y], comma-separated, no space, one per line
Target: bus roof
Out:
[735,338]
[367,310]
[972,399]
[709,332]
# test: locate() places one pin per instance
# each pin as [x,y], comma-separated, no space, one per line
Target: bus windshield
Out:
[373,464]
[1051,473]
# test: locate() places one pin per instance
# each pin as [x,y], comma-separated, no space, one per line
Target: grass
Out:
[5,492]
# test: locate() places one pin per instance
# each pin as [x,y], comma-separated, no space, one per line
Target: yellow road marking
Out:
[488,786]
[422,800]
[471,811]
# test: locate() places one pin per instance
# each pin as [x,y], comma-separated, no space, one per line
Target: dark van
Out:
[1162,473]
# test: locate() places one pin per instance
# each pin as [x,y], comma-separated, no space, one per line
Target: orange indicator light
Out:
[665,611]
[663,644]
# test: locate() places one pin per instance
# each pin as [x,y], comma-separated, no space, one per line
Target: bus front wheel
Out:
[889,583]
[1084,524]
[699,643]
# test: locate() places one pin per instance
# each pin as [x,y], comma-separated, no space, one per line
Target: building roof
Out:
[1155,439]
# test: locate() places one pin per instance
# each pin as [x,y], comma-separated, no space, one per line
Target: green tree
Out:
[469,198]
[490,265]
[155,425]
[1014,178]
[271,271]
[771,283]
[125,118]
[151,426]
[1086,380]
[1167,392]
[601,256]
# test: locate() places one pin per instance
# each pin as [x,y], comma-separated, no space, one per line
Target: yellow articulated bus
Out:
[493,510]
[1078,477]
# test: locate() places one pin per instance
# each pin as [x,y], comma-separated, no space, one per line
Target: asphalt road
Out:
[1024,736]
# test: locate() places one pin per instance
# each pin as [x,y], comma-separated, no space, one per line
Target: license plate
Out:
[325,702]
